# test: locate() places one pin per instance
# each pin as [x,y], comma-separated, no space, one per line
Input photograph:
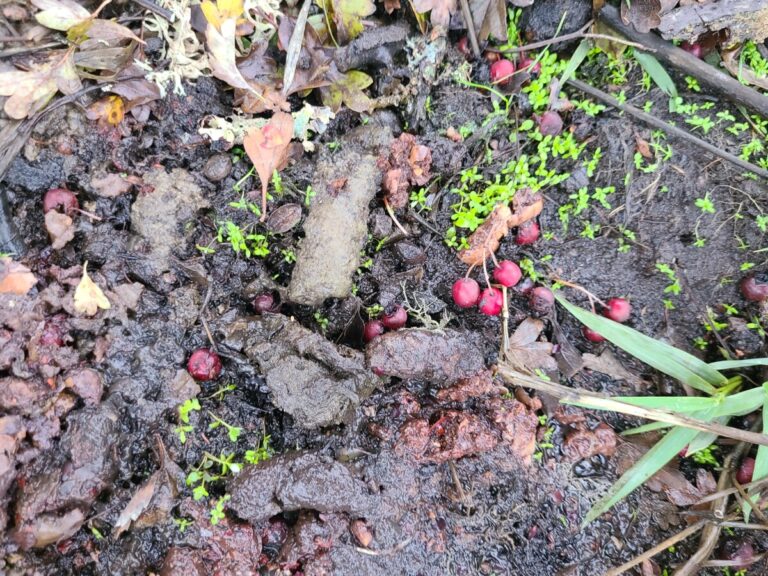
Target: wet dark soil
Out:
[378,464]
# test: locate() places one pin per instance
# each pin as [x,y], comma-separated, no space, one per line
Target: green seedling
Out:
[262,453]
[185,409]
[232,431]
[217,512]
[674,287]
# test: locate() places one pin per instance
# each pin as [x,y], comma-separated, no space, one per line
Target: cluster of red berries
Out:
[617,309]
[490,301]
[394,317]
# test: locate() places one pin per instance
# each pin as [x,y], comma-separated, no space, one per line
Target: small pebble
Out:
[217,167]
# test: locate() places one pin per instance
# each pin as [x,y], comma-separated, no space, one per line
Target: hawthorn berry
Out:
[204,364]
[550,123]
[491,302]
[618,310]
[264,303]
[501,71]
[541,299]
[466,292]
[695,49]
[527,233]
[507,273]
[60,199]
[394,317]
[755,287]
[372,329]
[745,471]
[591,335]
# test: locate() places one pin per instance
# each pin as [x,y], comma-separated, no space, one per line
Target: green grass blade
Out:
[650,427]
[676,363]
[670,403]
[704,439]
[737,364]
[576,59]
[761,460]
[741,404]
[650,463]
[657,73]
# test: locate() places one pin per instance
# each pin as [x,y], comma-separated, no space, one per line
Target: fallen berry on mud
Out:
[394,317]
[264,303]
[742,553]
[507,273]
[745,471]
[372,329]
[60,199]
[550,123]
[694,48]
[755,287]
[527,233]
[591,335]
[466,292]
[204,364]
[491,302]
[541,299]
[531,66]
[501,72]
[618,310]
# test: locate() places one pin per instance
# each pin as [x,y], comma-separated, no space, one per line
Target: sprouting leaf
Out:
[657,73]
[60,14]
[30,90]
[667,359]
[267,147]
[440,10]
[88,296]
[348,89]
[15,278]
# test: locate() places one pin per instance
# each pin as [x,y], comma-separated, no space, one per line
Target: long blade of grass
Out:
[650,463]
[577,58]
[741,404]
[665,358]
[704,439]
[737,364]
[671,403]
[657,73]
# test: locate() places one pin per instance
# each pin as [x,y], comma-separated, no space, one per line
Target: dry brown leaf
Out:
[643,147]
[60,228]
[490,18]
[88,296]
[267,147]
[526,205]
[644,15]
[407,163]
[113,185]
[440,10]
[526,353]
[222,54]
[15,278]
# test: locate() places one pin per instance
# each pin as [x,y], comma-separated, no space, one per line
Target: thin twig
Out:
[668,128]
[660,547]
[467,14]
[597,401]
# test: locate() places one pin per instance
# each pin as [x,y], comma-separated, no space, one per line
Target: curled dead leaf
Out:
[526,205]
[485,240]
[526,353]
[15,278]
[88,296]
[642,14]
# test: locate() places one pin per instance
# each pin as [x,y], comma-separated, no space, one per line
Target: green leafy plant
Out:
[725,397]
[261,453]
[185,409]
[232,431]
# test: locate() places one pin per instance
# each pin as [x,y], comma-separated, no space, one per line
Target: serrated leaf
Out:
[88,296]
[657,73]
[667,359]
[650,463]
[60,14]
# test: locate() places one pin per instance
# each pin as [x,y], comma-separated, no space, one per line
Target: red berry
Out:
[591,335]
[466,292]
[755,287]
[743,553]
[745,471]
[394,317]
[618,310]
[463,46]
[501,71]
[527,233]
[491,302]
[694,49]
[264,303]
[507,273]
[531,66]
[204,364]
[550,123]
[60,198]
[541,299]
[372,329]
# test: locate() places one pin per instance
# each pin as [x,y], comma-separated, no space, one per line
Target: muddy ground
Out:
[368,474]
